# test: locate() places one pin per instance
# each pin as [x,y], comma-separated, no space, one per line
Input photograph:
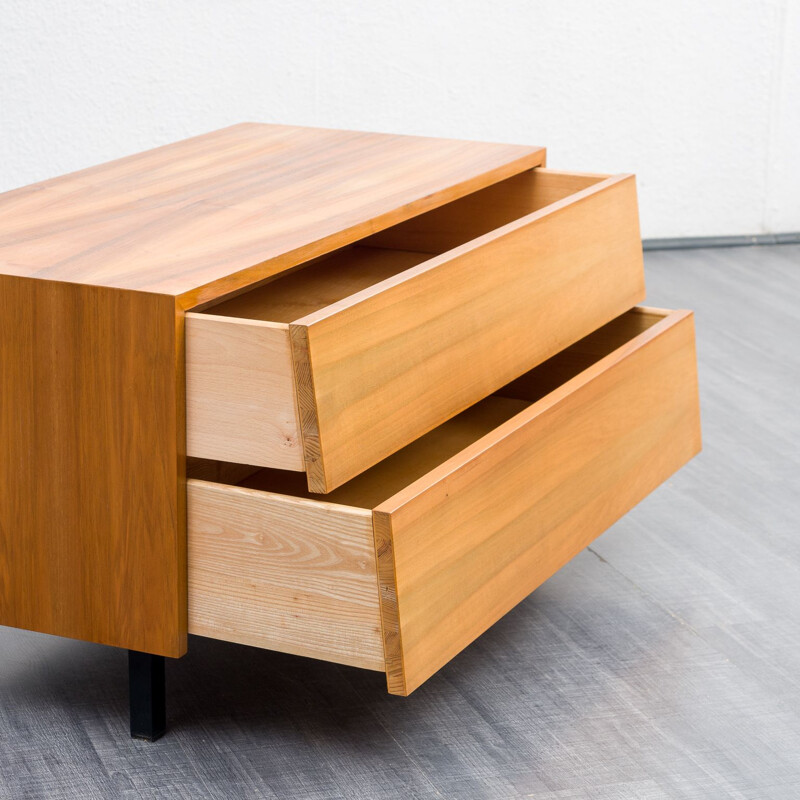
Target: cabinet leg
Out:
[148,695]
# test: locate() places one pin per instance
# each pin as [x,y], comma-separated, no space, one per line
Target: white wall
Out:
[701,98]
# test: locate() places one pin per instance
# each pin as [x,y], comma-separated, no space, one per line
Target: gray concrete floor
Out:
[664,661]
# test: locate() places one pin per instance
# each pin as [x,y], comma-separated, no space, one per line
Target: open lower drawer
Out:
[332,367]
[402,567]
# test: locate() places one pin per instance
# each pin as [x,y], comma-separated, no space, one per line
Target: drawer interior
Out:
[324,281]
[377,484]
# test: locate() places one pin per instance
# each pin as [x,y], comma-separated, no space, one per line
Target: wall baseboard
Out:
[694,242]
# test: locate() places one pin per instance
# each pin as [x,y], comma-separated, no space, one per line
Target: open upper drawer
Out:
[334,366]
[403,566]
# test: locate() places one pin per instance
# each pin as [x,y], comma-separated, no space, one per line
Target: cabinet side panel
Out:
[92,506]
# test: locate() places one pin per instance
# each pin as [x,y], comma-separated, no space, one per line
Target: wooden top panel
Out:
[209,215]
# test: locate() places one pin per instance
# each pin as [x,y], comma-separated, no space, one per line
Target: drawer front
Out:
[480,511]
[379,369]
[460,547]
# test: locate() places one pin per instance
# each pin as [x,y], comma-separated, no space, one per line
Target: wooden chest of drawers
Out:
[407,373]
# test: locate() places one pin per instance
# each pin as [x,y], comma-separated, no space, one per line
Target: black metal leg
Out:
[148,695]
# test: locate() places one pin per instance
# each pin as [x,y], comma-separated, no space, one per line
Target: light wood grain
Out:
[486,506]
[470,539]
[551,185]
[322,283]
[211,215]
[478,213]
[387,330]
[390,476]
[565,365]
[394,360]
[283,573]
[307,407]
[473,516]
[375,485]
[240,393]
[92,511]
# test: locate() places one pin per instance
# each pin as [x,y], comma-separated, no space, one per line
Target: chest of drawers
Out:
[351,396]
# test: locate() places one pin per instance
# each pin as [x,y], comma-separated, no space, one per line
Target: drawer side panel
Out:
[283,573]
[240,395]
